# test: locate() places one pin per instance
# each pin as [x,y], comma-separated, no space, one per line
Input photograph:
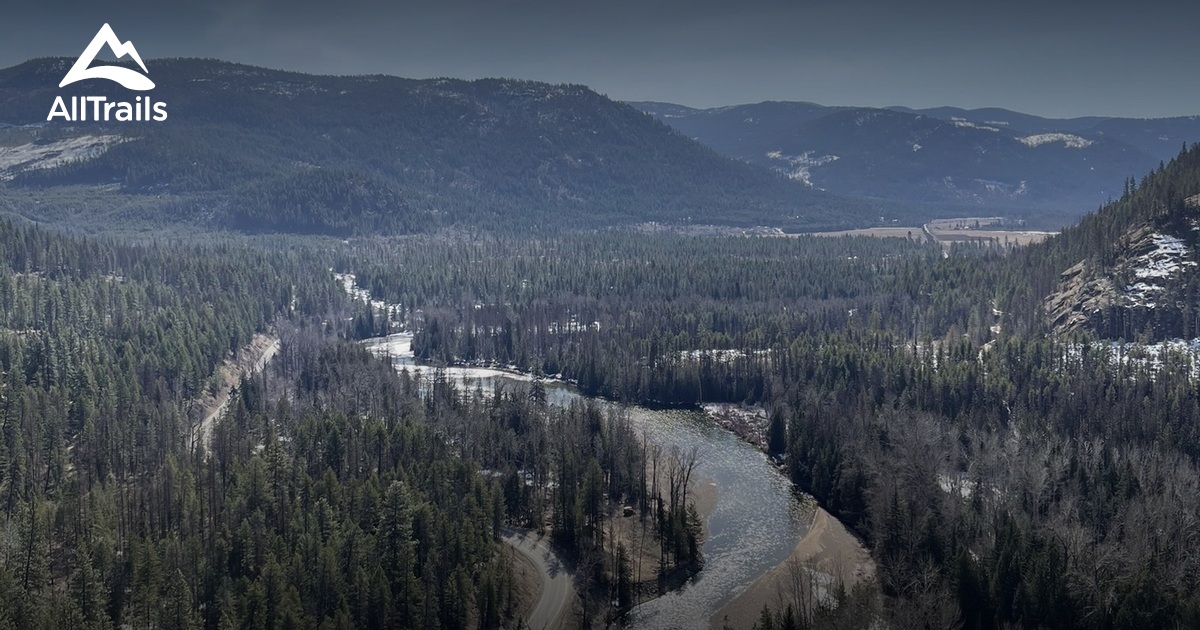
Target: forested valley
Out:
[332,492]
[1002,473]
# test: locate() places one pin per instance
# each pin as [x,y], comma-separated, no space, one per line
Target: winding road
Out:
[553,609]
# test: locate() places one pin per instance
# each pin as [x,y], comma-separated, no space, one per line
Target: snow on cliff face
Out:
[1142,294]
[1164,260]
[1071,141]
[1167,258]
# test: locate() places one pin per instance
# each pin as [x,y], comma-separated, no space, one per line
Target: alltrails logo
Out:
[99,107]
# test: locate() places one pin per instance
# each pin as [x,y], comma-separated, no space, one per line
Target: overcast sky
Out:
[1053,58]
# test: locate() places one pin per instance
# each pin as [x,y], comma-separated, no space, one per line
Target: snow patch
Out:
[963,122]
[957,483]
[800,166]
[1071,141]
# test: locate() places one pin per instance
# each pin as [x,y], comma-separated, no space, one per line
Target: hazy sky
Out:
[1053,57]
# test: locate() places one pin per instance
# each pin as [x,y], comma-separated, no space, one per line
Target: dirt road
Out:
[558,593]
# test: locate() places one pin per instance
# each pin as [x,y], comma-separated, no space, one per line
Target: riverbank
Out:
[835,553]
[637,535]
[829,549]
[748,423]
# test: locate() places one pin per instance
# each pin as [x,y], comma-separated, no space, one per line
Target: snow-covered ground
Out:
[397,346]
[573,325]
[49,155]
[1154,355]
[1178,353]
[362,295]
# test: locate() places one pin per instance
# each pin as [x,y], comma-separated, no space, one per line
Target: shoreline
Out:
[828,548]
[703,497]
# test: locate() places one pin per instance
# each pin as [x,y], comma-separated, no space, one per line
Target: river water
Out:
[757,520]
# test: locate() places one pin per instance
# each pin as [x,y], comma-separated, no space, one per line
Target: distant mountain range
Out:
[252,149]
[259,150]
[950,160]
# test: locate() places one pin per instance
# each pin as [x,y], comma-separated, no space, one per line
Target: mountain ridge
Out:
[1048,171]
[395,155]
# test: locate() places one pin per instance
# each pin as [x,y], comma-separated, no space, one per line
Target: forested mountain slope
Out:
[1128,271]
[262,150]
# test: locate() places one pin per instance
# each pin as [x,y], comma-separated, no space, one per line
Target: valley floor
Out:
[950,231]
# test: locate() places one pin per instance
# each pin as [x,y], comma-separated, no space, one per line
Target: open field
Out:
[877,232]
[1019,238]
[949,231]
[969,223]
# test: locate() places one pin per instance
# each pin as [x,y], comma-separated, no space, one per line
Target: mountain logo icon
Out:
[130,79]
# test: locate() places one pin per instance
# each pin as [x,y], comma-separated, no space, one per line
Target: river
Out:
[757,520]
